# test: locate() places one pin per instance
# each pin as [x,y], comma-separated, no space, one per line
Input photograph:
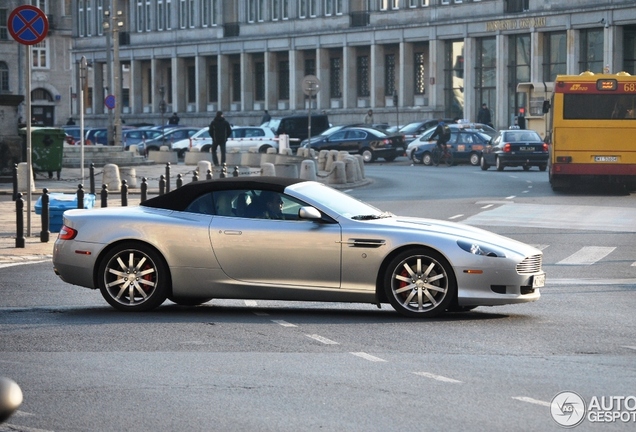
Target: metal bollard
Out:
[124,193]
[45,217]
[19,221]
[104,195]
[195,177]
[179,181]
[167,177]
[224,171]
[235,173]
[91,171]
[162,184]
[15,181]
[208,176]
[144,189]
[80,196]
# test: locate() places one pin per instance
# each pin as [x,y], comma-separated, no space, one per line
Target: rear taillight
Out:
[507,147]
[67,233]
[545,147]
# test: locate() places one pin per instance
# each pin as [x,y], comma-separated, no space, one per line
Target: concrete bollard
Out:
[360,166]
[134,149]
[268,169]
[203,167]
[269,157]
[322,159]
[111,178]
[338,174]
[130,175]
[252,158]
[308,170]
[287,170]
[233,157]
[342,155]
[332,157]
[351,169]
[23,178]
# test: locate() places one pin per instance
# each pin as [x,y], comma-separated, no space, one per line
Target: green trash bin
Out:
[47,149]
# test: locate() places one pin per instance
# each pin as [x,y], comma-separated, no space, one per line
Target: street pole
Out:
[83,66]
[117,74]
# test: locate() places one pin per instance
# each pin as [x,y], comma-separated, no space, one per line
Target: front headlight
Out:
[480,249]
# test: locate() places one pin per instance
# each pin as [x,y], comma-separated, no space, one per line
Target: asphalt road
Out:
[283,366]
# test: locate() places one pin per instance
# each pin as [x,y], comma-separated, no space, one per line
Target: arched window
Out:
[40,94]
[4,77]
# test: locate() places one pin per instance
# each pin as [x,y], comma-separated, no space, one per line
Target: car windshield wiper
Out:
[373,216]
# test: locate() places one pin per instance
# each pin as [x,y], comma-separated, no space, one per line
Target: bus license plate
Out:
[538,281]
[605,158]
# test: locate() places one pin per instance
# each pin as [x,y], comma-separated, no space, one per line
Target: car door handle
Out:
[232,232]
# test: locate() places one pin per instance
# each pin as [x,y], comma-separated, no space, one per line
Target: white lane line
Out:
[633,264]
[487,206]
[531,400]
[368,357]
[630,347]
[511,197]
[251,303]
[22,263]
[574,281]
[437,377]
[322,339]
[284,323]
[587,255]
[525,191]
[456,216]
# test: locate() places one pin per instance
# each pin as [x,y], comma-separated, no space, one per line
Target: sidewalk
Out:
[70,179]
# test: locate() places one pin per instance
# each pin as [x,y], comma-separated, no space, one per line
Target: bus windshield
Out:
[602,106]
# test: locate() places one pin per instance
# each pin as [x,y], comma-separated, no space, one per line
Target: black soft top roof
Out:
[179,199]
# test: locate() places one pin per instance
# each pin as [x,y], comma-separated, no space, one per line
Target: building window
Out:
[89,18]
[251,11]
[236,82]
[486,74]
[554,55]
[140,16]
[310,66]
[283,80]
[285,9]
[260,81]
[191,14]
[192,84]
[161,13]
[517,5]
[454,79]
[4,77]
[416,3]
[629,49]
[168,25]
[213,84]
[420,73]
[334,78]
[389,74]
[4,31]
[302,8]
[275,10]
[328,7]
[313,8]
[518,70]
[148,16]
[338,7]
[363,76]
[183,14]
[591,51]
[208,12]
[40,55]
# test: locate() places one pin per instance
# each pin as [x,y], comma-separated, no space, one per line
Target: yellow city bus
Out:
[592,129]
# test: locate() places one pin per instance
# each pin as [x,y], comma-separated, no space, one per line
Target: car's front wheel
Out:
[133,277]
[474,159]
[427,159]
[484,166]
[499,164]
[367,155]
[420,283]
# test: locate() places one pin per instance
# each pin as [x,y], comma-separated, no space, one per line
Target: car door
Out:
[277,252]
[336,141]
[355,141]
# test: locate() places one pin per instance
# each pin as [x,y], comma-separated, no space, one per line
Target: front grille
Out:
[531,264]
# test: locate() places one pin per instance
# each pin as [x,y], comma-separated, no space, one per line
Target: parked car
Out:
[296,127]
[516,147]
[170,136]
[466,143]
[138,137]
[203,241]
[73,134]
[242,138]
[368,142]
[415,129]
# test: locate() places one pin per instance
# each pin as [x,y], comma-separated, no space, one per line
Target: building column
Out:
[271,81]
[98,89]
[322,72]
[613,48]
[224,75]
[500,114]
[247,81]
[136,87]
[296,73]
[573,41]
[378,71]
[179,72]
[349,81]
[200,67]
[471,106]
[406,75]
[155,86]
[536,56]
[436,80]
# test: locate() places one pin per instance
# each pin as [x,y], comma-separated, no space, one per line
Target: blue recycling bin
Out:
[58,204]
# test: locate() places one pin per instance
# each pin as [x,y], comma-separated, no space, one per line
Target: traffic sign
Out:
[109,101]
[311,85]
[28,25]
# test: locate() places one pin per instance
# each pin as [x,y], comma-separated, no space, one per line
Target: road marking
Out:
[437,377]
[456,216]
[511,197]
[587,255]
[251,303]
[633,264]
[368,357]
[525,191]
[284,323]
[630,347]
[322,339]
[13,264]
[487,206]
[531,400]
[540,246]
[574,281]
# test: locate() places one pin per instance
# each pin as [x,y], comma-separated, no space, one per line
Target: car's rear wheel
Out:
[474,159]
[484,166]
[543,167]
[133,277]
[499,164]
[181,153]
[206,149]
[263,149]
[189,301]
[367,155]
[427,159]
[420,283]
[526,167]
[389,158]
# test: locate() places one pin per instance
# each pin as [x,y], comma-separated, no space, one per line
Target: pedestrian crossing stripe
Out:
[587,255]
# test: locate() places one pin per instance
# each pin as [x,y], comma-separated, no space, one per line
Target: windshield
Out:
[411,127]
[336,201]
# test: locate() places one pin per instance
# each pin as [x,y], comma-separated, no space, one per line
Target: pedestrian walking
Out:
[220,131]
[483,116]
[368,118]
[266,117]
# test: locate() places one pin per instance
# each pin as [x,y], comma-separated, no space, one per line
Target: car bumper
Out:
[524,159]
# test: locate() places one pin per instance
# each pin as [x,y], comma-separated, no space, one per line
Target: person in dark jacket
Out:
[483,116]
[174,120]
[220,131]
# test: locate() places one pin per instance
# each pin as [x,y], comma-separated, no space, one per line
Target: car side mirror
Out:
[308,212]
[546,106]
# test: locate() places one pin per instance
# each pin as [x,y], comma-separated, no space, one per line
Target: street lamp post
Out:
[162,103]
[82,68]
[117,23]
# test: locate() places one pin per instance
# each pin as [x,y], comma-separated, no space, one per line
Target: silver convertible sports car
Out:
[288,239]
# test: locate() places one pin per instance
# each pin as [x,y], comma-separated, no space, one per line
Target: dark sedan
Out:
[466,144]
[369,142]
[513,148]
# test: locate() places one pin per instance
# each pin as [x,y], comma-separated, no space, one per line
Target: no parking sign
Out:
[28,25]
